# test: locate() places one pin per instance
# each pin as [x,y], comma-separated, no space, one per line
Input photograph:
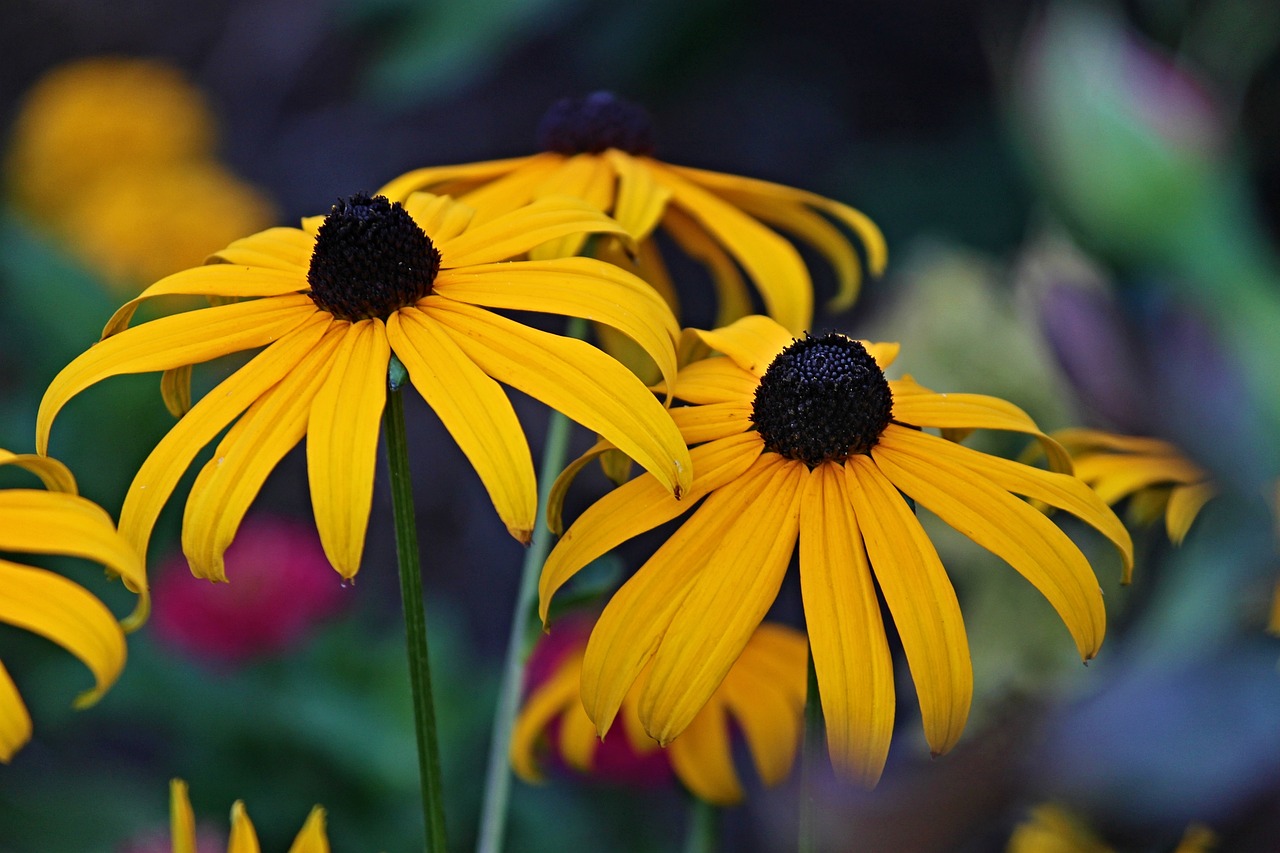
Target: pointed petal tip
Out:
[523,535]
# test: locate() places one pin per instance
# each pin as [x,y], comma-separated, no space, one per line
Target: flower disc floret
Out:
[370,259]
[822,399]
[596,123]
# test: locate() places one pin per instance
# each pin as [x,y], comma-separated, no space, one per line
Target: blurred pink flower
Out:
[279,587]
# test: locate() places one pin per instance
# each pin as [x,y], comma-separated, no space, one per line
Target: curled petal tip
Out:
[523,535]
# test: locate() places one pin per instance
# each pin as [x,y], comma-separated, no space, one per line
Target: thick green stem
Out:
[497,787]
[415,623]
[812,752]
[704,827]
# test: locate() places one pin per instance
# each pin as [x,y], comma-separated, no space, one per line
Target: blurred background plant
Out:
[1081,201]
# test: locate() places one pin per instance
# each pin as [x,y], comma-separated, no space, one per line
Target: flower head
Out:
[806,440]
[331,302]
[599,148]
[763,695]
[59,521]
[310,839]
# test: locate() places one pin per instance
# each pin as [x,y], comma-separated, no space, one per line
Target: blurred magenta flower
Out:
[281,588]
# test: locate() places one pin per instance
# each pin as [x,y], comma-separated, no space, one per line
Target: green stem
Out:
[415,622]
[497,786]
[811,754]
[704,827]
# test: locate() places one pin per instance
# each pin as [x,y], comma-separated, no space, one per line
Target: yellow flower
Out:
[331,302]
[87,118]
[310,839]
[598,148]
[59,521]
[1153,474]
[806,439]
[1052,829]
[763,695]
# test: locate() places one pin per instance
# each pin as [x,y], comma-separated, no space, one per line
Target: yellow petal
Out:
[1079,439]
[559,694]
[765,693]
[15,720]
[713,421]
[1116,476]
[287,249]
[730,596]
[475,411]
[440,217]
[733,300]
[884,353]
[574,378]
[165,465]
[846,633]
[639,505]
[588,177]
[342,442]
[212,280]
[175,389]
[311,838]
[182,822]
[228,483]
[703,759]
[752,342]
[920,598]
[1006,526]
[169,342]
[714,380]
[573,287]
[400,188]
[772,263]
[1185,504]
[578,738]
[641,199]
[515,233]
[639,613]
[243,838]
[67,614]
[55,476]
[560,488]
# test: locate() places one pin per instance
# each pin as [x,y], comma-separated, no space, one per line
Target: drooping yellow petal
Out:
[560,488]
[639,505]
[713,421]
[164,466]
[973,411]
[714,380]
[733,300]
[64,612]
[515,233]
[243,838]
[440,217]
[641,199]
[311,838]
[578,738]
[169,342]
[920,598]
[573,287]
[1008,527]
[342,442]
[1077,439]
[175,390]
[1185,503]
[846,632]
[752,342]
[432,177]
[182,821]
[574,378]
[15,720]
[772,263]
[1115,476]
[225,280]
[228,483]
[1060,491]
[475,411]
[638,614]
[559,694]
[703,758]
[728,599]
[765,694]
[287,249]
[55,476]
[587,177]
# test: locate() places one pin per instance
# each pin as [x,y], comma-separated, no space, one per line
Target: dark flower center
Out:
[822,399]
[592,124]
[370,259]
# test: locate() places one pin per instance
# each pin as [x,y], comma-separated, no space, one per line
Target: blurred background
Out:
[1081,202]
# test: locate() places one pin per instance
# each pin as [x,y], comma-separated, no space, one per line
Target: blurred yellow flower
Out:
[59,521]
[331,302]
[805,439]
[598,148]
[763,696]
[1052,829]
[310,839]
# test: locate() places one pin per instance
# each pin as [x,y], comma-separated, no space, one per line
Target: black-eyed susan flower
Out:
[762,696]
[58,521]
[244,839]
[599,148]
[805,439]
[1052,829]
[331,302]
[1156,477]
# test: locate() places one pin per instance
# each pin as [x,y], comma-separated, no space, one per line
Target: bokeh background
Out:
[1081,203]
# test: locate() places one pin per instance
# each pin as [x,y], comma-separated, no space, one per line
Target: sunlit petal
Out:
[431,178]
[55,476]
[714,380]
[641,199]
[440,217]
[515,233]
[287,249]
[733,300]
[243,837]
[752,342]
[712,421]
[212,280]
